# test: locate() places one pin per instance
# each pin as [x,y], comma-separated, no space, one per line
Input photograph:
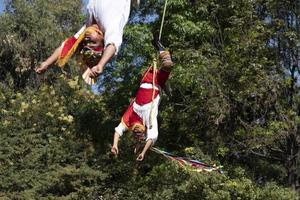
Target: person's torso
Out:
[106,11]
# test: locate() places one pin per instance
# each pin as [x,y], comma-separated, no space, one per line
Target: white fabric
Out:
[111,16]
[120,129]
[144,112]
[79,32]
[148,86]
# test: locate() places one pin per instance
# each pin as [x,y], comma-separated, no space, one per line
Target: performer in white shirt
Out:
[141,115]
[111,18]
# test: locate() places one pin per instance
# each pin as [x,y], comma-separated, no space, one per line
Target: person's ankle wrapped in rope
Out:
[166,61]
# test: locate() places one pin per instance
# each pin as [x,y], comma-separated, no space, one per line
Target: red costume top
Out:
[130,118]
[144,94]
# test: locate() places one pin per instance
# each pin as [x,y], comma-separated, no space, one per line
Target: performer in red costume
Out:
[141,115]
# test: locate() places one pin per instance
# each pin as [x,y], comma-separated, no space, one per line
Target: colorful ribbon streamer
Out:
[192,165]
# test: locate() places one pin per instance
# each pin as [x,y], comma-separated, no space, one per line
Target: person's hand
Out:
[140,157]
[42,68]
[115,150]
[96,71]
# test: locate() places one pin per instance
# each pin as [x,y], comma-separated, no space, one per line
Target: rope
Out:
[155,65]
[162,20]
[153,92]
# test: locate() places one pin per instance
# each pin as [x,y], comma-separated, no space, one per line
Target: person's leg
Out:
[166,61]
[166,67]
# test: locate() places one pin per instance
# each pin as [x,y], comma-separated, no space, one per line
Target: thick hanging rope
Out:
[153,92]
[155,65]
[162,20]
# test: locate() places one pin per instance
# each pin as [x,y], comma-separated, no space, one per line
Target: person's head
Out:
[139,131]
[91,46]
[93,38]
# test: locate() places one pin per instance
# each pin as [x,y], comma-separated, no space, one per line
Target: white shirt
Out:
[144,113]
[111,16]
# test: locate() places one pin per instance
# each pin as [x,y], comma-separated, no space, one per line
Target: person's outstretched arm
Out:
[50,60]
[119,130]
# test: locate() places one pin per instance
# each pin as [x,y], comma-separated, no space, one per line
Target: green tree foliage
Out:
[232,99]
[49,150]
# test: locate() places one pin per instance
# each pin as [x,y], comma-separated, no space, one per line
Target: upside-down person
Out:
[87,44]
[110,17]
[141,115]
